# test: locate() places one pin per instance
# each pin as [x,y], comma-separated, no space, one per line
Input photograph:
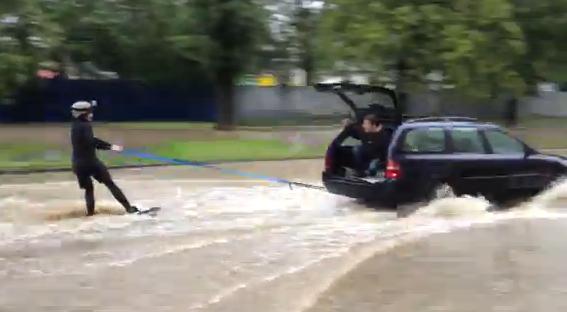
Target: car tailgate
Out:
[360,188]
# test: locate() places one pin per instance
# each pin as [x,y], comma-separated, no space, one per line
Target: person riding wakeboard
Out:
[86,164]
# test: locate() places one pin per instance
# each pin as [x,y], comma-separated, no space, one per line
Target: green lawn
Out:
[21,156]
[543,122]
[160,125]
[31,155]
[232,150]
[542,133]
[281,121]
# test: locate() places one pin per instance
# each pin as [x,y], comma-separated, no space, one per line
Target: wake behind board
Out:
[152,211]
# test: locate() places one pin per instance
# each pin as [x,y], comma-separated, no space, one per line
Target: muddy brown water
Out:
[514,266]
[226,244]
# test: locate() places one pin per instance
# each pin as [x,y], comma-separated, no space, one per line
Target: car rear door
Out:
[423,158]
[510,157]
[474,171]
[367,99]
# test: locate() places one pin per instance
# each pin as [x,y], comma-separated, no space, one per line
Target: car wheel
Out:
[441,190]
[392,204]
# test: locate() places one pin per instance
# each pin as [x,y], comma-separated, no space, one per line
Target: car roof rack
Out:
[443,118]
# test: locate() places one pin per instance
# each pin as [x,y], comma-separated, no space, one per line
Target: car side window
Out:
[502,143]
[467,141]
[424,140]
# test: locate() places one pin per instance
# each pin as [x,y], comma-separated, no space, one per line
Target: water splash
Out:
[455,207]
[271,234]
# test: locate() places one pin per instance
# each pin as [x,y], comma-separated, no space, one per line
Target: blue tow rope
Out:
[174,161]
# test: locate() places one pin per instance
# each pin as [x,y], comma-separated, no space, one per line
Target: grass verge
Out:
[161,125]
[33,156]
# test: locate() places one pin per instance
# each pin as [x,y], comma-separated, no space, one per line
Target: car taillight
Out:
[393,171]
[328,162]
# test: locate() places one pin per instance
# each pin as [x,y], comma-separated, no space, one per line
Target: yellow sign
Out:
[267,81]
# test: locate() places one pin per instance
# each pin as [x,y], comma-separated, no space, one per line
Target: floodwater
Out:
[225,244]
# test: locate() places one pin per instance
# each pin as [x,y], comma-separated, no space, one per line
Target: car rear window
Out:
[424,140]
[502,143]
[467,141]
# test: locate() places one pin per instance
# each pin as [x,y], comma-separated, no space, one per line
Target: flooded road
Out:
[225,244]
[515,266]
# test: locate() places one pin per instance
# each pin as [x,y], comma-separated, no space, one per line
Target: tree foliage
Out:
[230,30]
[482,47]
[544,26]
[26,39]
[474,44]
[150,40]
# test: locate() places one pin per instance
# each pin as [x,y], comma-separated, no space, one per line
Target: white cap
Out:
[82,107]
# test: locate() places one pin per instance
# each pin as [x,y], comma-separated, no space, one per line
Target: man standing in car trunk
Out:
[373,151]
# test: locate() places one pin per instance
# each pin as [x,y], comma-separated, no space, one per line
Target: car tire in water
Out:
[441,190]
[391,204]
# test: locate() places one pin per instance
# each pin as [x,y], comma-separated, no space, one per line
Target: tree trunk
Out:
[308,68]
[401,84]
[512,112]
[225,102]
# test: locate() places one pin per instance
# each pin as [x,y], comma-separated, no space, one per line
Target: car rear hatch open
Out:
[367,99]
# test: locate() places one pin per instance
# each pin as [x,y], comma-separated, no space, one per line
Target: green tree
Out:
[474,44]
[544,25]
[26,40]
[305,23]
[230,34]
[163,41]
[295,24]
[132,38]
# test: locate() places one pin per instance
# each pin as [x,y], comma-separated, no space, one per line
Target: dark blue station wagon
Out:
[424,154]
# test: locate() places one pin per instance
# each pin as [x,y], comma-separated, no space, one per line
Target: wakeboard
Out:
[151,211]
